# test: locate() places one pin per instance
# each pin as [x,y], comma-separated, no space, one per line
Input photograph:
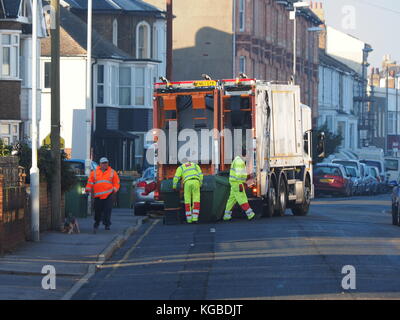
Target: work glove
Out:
[241,188]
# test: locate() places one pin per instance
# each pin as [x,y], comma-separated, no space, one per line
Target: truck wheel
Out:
[281,202]
[302,209]
[269,208]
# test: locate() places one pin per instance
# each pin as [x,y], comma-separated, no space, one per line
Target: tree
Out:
[332,141]
[46,167]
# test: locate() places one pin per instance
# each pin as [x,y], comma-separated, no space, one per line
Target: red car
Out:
[330,178]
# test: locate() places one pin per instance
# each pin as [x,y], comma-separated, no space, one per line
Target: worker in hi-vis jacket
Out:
[192,178]
[237,178]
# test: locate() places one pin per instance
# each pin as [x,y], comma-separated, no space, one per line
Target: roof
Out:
[77,29]
[127,6]
[328,60]
[333,165]
[11,8]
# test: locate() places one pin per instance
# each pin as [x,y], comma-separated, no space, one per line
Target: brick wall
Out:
[103,24]
[15,225]
[10,101]
[10,25]
[12,217]
[267,44]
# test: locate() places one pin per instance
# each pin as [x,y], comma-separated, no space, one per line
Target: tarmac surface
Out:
[74,257]
[278,258]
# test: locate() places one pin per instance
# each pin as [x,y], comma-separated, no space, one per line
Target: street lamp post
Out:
[396,86]
[296,5]
[89,97]
[34,171]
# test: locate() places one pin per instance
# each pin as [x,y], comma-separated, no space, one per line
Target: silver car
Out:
[143,199]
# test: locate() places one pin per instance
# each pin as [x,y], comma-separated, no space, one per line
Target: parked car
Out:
[396,203]
[144,193]
[78,165]
[360,169]
[374,171]
[330,178]
[373,184]
[381,168]
[392,168]
[354,175]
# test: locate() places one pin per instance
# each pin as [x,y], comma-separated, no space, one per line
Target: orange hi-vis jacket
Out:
[103,183]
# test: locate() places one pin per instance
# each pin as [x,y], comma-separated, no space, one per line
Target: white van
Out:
[392,166]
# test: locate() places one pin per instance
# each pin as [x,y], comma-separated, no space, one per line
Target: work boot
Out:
[107,228]
[95,229]
[250,215]
[227,215]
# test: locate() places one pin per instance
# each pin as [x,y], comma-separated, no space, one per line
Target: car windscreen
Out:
[352,172]
[392,164]
[149,174]
[373,172]
[372,163]
[77,167]
[331,171]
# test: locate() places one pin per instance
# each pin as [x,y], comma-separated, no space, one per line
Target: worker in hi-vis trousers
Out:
[192,178]
[237,178]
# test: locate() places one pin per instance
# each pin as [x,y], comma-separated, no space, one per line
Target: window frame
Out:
[242,59]
[147,38]
[101,84]
[115,32]
[11,135]
[121,86]
[14,54]
[242,15]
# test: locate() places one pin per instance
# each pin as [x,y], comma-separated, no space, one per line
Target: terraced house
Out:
[128,56]
[15,68]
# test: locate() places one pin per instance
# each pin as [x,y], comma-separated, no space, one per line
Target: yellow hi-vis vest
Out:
[238,173]
[188,171]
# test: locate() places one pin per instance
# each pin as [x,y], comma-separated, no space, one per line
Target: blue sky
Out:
[377,22]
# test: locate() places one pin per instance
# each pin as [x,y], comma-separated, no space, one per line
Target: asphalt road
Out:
[279,258]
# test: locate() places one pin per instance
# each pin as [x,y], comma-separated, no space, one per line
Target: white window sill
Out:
[3,78]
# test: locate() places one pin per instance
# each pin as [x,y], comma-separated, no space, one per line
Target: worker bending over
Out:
[192,178]
[237,178]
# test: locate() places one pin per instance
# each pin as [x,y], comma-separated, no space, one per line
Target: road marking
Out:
[128,253]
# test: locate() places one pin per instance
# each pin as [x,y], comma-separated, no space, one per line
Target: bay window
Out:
[124,84]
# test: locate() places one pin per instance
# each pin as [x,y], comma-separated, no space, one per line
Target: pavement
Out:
[75,257]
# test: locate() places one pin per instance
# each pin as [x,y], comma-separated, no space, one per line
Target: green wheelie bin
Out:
[213,196]
[125,193]
[76,199]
